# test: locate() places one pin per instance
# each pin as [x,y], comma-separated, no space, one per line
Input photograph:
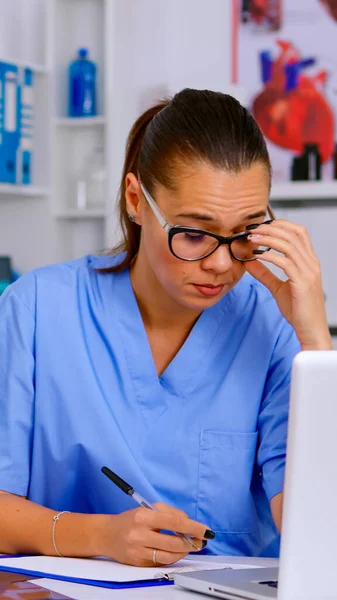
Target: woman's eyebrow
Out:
[210,218]
[261,213]
[197,216]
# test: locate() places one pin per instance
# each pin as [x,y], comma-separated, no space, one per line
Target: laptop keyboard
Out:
[273,584]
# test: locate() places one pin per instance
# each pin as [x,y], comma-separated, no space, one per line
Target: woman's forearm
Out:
[26,527]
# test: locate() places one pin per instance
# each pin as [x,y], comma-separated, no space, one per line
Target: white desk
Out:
[170,592]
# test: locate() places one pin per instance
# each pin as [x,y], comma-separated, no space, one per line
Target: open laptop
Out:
[308,555]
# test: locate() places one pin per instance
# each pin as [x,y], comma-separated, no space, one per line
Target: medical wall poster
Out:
[287,64]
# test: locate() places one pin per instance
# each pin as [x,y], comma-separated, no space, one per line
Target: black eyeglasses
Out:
[189,243]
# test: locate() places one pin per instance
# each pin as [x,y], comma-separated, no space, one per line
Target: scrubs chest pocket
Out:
[226,464]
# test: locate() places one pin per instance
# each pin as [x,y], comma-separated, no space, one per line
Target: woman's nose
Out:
[220,261]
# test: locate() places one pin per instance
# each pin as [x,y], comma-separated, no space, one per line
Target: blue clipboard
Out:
[94,582]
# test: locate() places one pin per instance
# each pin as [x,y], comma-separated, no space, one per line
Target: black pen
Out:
[128,489]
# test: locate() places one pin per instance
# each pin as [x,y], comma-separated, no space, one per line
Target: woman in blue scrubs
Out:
[168,360]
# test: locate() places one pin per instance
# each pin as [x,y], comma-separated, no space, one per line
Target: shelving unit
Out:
[23,190]
[38,69]
[45,35]
[99,121]
[78,215]
[306,190]
[21,46]
[75,24]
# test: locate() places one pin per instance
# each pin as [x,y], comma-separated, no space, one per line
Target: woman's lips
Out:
[209,290]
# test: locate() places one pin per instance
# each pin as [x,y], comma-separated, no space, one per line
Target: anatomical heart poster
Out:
[287,64]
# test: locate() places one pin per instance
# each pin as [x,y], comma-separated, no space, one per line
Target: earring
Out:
[131,218]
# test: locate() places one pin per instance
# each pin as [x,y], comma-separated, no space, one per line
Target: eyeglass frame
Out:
[172,230]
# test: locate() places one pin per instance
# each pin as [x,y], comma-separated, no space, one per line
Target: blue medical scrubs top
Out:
[79,390]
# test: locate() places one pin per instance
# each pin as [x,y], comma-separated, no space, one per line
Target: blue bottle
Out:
[82,86]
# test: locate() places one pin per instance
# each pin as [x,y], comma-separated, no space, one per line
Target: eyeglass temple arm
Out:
[154,207]
[271,212]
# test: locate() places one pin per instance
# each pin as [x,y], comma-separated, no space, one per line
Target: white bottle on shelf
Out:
[90,184]
[96,180]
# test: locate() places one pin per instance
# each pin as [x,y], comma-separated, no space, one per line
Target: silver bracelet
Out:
[55,519]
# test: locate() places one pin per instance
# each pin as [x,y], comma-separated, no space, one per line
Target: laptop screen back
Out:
[309,529]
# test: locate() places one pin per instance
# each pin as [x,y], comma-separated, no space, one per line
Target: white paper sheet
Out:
[107,570]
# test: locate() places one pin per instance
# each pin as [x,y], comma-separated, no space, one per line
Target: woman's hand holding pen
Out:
[132,536]
[300,298]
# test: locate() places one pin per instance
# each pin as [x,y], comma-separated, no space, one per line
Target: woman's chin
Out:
[200,301]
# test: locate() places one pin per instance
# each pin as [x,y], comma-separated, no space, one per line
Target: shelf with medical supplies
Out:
[23,190]
[38,69]
[24,132]
[304,190]
[81,180]
[97,121]
[81,214]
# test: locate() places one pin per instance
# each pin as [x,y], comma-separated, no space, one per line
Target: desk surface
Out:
[17,587]
[86,592]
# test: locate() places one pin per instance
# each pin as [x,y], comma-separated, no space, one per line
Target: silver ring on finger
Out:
[154,556]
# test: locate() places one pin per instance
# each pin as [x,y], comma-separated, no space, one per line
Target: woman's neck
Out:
[159,311]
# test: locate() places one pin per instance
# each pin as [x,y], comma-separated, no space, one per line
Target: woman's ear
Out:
[133,194]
